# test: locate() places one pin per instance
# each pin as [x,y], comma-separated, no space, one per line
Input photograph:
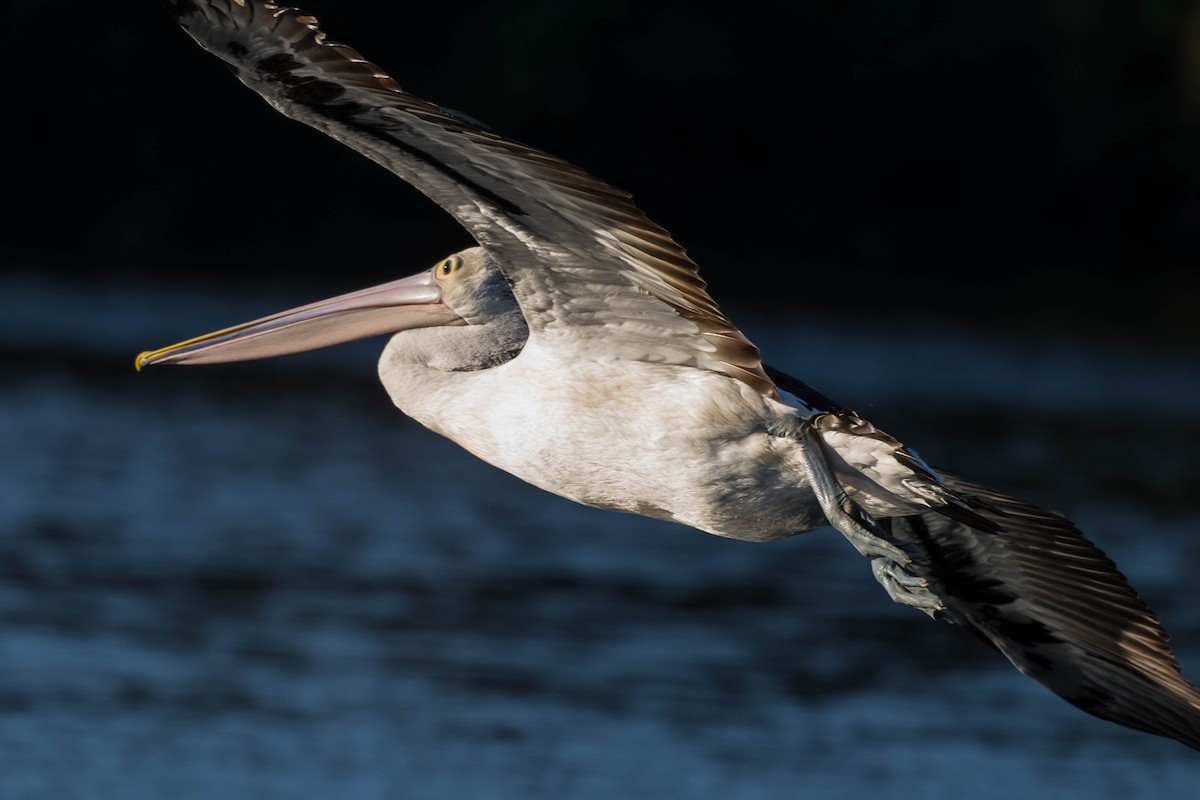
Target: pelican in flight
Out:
[577,348]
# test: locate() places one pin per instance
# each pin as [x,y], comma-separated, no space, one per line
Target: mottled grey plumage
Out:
[578,348]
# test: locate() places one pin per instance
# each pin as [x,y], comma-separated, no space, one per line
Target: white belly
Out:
[669,442]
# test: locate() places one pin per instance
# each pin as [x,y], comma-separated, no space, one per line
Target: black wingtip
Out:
[1057,607]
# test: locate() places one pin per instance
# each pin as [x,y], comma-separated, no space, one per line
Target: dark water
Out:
[263,582]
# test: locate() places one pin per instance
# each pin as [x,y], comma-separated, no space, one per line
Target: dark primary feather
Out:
[1030,584]
[1058,608]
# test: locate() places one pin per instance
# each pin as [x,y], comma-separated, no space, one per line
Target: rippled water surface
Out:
[260,581]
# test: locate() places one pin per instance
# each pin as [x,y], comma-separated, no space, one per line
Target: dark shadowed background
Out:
[1003,163]
[976,223]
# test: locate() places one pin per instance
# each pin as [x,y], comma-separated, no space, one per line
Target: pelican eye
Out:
[448,267]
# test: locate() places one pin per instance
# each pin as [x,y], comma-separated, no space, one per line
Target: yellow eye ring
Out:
[447,267]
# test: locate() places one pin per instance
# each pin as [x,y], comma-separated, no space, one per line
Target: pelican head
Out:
[464,289]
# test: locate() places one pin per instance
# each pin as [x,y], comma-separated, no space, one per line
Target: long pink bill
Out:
[413,302]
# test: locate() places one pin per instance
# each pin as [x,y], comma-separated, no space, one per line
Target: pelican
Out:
[577,348]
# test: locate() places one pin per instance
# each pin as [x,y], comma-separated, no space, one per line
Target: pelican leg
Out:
[906,588]
[891,565]
[843,513]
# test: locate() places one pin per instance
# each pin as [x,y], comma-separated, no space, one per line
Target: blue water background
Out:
[261,581]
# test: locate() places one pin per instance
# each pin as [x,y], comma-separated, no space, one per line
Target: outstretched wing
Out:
[1057,607]
[577,251]
[1021,577]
